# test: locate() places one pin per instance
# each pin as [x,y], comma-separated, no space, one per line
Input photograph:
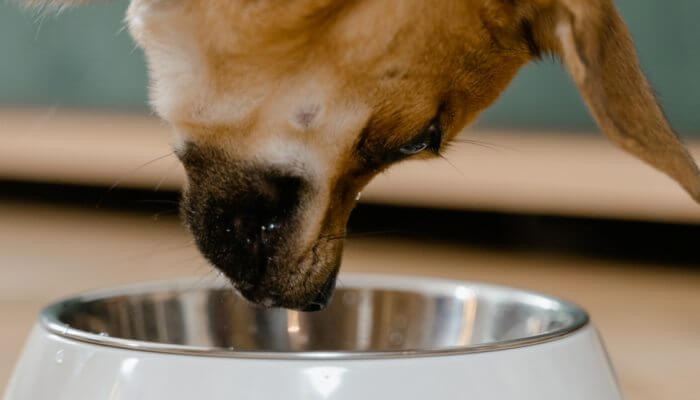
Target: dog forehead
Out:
[210,66]
[200,77]
[210,61]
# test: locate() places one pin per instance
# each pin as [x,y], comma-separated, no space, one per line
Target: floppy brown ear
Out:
[595,45]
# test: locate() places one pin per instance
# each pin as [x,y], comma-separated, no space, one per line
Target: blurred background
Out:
[88,192]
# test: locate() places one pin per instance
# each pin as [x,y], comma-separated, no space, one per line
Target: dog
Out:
[284,110]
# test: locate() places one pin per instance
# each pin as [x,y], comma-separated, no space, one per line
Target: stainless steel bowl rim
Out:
[49,320]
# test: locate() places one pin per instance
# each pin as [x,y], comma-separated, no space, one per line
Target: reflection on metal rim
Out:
[370,317]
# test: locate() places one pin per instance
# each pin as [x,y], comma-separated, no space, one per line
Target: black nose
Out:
[257,217]
[241,227]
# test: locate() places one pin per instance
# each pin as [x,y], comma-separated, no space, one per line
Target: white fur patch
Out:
[177,70]
[292,156]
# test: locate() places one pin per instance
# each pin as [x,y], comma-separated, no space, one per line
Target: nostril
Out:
[269,232]
[248,227]
[251,237]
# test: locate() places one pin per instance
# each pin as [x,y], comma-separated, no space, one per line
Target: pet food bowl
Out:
[382,337]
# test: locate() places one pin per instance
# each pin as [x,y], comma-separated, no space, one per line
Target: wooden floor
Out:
[649,317]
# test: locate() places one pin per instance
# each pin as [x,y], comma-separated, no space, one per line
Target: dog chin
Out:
[287,297]
[308,286]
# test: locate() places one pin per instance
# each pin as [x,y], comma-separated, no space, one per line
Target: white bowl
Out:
[382,337]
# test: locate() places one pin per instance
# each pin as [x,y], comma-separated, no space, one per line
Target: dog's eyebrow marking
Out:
[306,115]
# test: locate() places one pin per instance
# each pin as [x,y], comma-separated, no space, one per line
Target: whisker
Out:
[201,264]
[128,173]
[197,258]
[120,30]
[480,143]
[173,163]
[157,201]
[459,171]
[352,235]
[188,245]
[164,212]
[372,233]
[39,21]
[196,284]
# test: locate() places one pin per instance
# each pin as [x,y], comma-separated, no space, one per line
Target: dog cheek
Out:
[341,203]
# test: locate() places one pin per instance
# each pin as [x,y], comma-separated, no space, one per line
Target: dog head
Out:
[284,110]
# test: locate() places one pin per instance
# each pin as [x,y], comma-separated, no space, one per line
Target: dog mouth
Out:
[267,296]
[281,278]
[323,297]
[275,269]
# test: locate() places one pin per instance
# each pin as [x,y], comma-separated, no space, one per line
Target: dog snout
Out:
[243,226]
[256,219]
[261,226]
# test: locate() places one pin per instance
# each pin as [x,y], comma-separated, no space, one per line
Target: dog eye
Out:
[429,138]
[414,148]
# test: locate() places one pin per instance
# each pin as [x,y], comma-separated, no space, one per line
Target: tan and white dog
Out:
[285,109]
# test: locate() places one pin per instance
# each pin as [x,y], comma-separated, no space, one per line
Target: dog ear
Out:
[595,46]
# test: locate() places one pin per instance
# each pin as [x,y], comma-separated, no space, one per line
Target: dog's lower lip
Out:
[313,307]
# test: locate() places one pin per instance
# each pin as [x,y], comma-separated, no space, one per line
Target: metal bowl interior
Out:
[368,317]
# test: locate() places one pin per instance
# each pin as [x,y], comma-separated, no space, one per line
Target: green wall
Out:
[84,58]
[80,58]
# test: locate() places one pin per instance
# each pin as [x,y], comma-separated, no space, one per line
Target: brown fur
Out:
[387,68]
